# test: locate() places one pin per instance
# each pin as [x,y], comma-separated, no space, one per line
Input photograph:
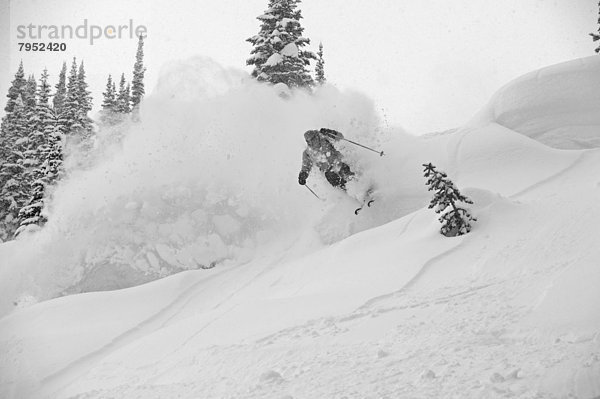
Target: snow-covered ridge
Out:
[510,310]
[556,105]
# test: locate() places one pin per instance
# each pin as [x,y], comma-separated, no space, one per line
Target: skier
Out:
[322,153]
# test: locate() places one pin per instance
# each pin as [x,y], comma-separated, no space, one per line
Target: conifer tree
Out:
[109,103]
[16,89]
[137,84]
[29,143]
[320,68]
[30,91]
[278,55]
[13,134]
[46,175]
[71,109]
[30,213]
[455,221]
[13,192]
[85,103]
[123,97]
[596,36]
[61,90]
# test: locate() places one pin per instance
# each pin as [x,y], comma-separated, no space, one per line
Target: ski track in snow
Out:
[56,381]
[555,176]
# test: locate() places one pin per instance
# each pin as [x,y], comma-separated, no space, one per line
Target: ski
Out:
[369,200]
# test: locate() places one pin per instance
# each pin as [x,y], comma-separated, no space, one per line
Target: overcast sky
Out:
[428,64]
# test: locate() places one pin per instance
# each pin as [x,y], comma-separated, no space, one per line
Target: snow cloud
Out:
[208,177]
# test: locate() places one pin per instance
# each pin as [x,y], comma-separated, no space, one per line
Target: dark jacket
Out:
[322,153]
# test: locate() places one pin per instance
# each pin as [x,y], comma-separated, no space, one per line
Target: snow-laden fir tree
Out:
[455,220]
[71,113]
[13,132]
[109,104]
[596,36]
[39,139]
[137,84]
[320,68]
[74,115]
[278,55]
[61,90]
[13,190]
[29,143]
[123,97]
[85,104]
[29,95]
[16,89]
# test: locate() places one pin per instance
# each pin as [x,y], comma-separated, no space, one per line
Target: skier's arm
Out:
[332,134]
[306,167]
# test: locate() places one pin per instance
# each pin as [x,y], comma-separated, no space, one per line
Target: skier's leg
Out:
[335,179]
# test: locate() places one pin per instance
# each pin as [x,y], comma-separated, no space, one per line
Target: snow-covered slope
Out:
[509,310]
[557,105]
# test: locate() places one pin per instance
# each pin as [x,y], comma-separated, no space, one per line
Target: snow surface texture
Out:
[510,310]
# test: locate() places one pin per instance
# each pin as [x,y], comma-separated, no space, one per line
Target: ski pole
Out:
[313,193]
[364,146]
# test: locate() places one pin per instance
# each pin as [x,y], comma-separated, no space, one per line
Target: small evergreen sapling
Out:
[455,221]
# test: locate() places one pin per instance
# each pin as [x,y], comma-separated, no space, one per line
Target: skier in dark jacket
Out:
[322,153]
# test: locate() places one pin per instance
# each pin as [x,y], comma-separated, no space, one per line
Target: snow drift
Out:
[556,105]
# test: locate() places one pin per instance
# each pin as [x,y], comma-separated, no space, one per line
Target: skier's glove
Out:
[302,178]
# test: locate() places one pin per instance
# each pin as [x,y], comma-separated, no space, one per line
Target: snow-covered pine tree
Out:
[13,130]
[29,143]
[61,90]
[16,89]
[13,192]
[277,55]
[128,96]
[596,36]
[137,84]
[109,104]
[30,213]
[30,91]
[49,172]
[455,221]
[85,104]
[123,97]
[71,113]
[320,68]
[54,161]
[34,135]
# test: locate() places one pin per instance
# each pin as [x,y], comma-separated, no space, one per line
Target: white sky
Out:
[428,64]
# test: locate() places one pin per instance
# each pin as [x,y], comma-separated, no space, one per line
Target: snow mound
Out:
[557,105]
